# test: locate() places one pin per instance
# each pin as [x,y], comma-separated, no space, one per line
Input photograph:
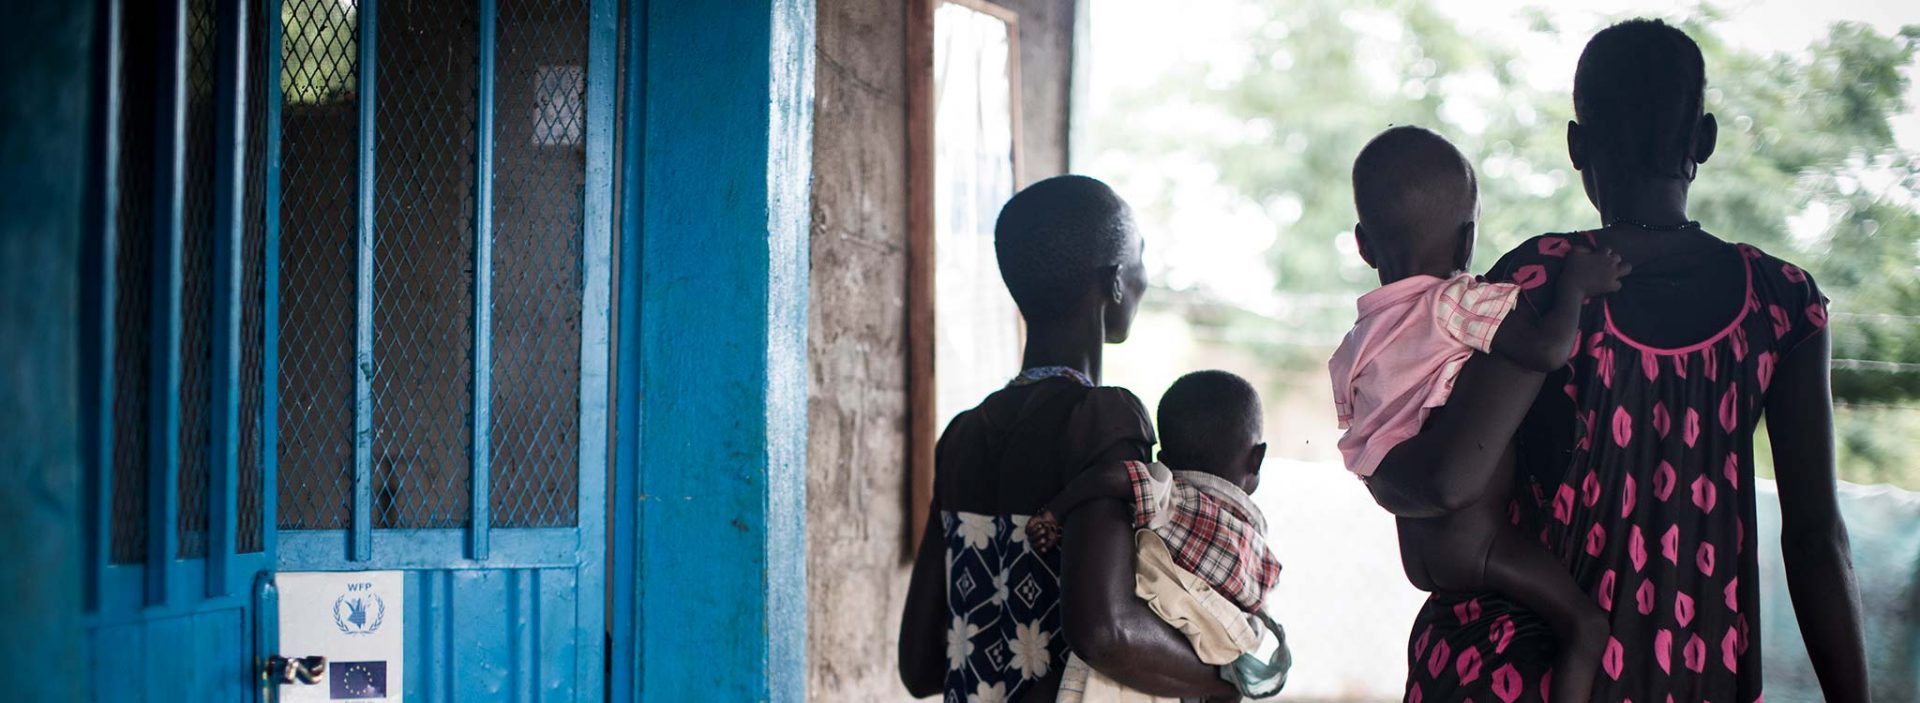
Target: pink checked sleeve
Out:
[1471,310]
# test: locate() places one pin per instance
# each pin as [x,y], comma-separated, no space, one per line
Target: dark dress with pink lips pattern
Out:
[1635,467]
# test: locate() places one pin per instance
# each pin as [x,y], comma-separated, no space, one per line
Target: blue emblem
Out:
[359,613]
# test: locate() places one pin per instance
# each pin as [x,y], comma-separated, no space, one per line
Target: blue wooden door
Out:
[178,345]
[443,232]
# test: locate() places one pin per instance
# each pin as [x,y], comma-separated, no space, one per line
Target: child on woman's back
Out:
[1201,560]
[987,616]
[1418,203]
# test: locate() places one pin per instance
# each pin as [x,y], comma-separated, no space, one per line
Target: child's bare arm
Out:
[1447,465]
[1544,341]
[1450,463]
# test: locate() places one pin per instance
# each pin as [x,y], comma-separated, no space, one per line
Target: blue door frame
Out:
[709,571]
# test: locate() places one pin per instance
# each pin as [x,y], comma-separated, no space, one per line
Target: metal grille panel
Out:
[423,280]
[423,253]
[134,282]
[538,199]
[196,299]
[249,534]
[317,253]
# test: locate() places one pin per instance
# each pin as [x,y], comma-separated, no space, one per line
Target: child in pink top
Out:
[1403,354]
[1417,203]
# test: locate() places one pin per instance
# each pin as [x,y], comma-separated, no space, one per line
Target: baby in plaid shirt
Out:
[1202,562]
[1417,202]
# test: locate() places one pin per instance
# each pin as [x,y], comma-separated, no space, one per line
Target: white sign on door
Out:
[354,619]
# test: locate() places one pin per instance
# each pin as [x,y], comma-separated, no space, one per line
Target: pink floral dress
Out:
[1636,469]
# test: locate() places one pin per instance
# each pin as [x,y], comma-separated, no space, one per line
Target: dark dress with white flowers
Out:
[995,466]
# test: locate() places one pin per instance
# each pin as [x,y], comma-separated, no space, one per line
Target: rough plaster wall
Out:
[857,344]
[857,353]
[1046,60]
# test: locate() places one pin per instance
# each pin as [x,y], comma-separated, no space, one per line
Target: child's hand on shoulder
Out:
[1592,272]
[1043,531]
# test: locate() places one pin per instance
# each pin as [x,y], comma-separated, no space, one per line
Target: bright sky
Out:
[1210,236]
[1764,25]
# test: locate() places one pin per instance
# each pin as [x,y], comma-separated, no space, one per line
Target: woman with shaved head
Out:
[1635,463]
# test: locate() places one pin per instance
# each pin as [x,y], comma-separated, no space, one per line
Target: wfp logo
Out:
[359,613]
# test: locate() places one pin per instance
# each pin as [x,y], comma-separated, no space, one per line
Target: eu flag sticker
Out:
[358,680]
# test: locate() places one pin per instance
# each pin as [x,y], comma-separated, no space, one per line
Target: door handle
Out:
[299,670]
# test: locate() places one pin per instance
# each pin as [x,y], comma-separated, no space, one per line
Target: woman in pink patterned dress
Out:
[1635,463]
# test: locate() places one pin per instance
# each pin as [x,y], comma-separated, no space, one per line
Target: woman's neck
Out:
[1654,202]
[1075,345]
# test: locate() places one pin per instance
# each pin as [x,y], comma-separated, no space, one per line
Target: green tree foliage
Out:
[318,47]
[1807,166]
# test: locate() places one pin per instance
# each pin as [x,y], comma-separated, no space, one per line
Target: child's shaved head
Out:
[1413,191]
[1208,420]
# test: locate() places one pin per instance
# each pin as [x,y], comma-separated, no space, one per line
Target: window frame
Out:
[923,429]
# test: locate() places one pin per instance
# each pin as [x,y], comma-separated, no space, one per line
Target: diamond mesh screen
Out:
[249,535]
[538,195]
[318,121]
[423,273]
[133,280]
[423,291]
[196,301]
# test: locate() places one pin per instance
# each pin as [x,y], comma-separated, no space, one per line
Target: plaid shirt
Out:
[1471,311]
[1211,528]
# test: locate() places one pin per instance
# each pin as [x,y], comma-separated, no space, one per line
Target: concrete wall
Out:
[857,343]
[1046,64]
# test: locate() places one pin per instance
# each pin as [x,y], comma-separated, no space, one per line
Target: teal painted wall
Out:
[44,102]
[714,420]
